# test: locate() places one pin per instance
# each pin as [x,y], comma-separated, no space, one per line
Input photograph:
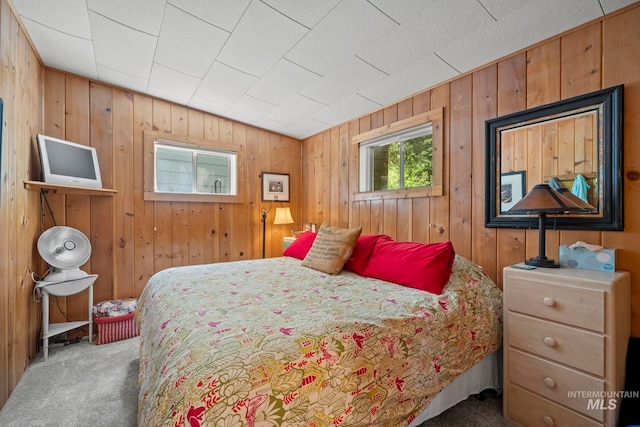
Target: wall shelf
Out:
[68,189]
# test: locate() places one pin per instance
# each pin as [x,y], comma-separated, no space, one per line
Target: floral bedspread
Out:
[271,343]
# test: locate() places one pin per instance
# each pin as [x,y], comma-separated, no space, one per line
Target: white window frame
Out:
[230,156]
[367,177]
[236,195]
[434,118]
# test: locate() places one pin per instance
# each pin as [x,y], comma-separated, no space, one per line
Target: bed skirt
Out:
[484,375]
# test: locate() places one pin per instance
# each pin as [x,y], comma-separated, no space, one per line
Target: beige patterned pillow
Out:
[332,248]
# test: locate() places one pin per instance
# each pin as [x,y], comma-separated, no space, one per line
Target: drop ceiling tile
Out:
[612,5]
[142,15]
[384,50]
[261,38]
[203,104]
[224,85]
[349,27]
[345,110]
[295,109]
[499,9]
[421,75]
[307,13]
[224,14]
[523,27]
[188,44]
[63,51]
[124,80]
[65,16]
[121,48]
[343,81]
[307,127]
[282,82]
[171,85]
[299,130]
[447,21]
[506,9]
[400,10]
[249,110]
[271,126]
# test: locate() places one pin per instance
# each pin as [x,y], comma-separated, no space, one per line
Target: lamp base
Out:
[542,262]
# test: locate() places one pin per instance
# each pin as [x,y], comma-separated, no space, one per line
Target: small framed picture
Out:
[275,187]
[512,189]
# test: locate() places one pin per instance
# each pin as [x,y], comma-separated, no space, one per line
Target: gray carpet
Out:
[84,385]
[80,385]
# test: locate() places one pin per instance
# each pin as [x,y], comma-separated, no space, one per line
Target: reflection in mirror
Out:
[573,145]
[562,150]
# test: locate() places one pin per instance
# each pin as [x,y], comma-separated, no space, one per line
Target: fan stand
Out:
[64,288]
[65,249]
[61,275]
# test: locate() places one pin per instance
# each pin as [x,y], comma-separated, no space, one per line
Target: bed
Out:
[271,342]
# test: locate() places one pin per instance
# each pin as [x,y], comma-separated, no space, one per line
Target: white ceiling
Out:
[296,67]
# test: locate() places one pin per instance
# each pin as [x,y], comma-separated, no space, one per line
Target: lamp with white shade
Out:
[283,216]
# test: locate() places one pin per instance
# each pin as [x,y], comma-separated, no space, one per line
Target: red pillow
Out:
[301,245]
[416,265]
[362,251]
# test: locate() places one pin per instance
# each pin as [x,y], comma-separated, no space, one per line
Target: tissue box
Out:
[602,260]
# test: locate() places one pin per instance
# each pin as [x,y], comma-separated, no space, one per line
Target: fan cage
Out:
[64,247]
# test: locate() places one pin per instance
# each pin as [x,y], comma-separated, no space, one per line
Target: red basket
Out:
[115,320]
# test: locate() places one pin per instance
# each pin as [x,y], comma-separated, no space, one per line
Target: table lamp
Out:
[543,200]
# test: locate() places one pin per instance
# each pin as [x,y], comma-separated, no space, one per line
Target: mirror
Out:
[575,144]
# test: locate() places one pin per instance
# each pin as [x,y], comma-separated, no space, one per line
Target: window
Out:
[402,159]
[188,170]
[192,170]
[399,160]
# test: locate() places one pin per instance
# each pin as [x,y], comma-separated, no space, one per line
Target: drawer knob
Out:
[548,421]
[549,341]
[549,302]
[549,382]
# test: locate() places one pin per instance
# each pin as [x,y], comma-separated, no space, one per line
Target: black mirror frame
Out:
[611,218]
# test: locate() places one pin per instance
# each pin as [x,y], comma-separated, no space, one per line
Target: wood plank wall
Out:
[21,92]
[132,238]
[599,55]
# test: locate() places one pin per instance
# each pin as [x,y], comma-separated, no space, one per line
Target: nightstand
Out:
[565,341]
[286,241]
[64,289]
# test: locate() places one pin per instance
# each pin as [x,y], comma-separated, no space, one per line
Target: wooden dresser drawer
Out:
[566,332]
[565,344]
[574,306]
[533,411]
[554,381]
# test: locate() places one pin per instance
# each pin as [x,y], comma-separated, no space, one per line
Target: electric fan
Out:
[65,249]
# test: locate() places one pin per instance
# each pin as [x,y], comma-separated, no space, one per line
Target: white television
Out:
[65,162]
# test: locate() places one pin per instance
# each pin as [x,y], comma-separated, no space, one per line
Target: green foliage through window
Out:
[400,160]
